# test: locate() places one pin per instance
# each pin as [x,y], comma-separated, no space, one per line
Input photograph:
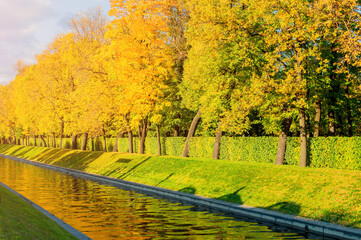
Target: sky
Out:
[28,26]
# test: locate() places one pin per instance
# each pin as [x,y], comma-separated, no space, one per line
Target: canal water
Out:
[106,212]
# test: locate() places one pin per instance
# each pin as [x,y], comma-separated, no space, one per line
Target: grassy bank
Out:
[325,194]
[19,220]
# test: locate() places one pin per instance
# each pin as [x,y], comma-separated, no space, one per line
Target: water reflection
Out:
[106,212]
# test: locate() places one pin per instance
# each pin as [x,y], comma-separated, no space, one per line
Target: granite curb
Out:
[299,223]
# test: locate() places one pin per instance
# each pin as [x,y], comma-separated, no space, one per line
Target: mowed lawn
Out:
[325,194]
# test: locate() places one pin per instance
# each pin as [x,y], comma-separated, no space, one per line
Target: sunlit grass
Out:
[326,194]
[19,220]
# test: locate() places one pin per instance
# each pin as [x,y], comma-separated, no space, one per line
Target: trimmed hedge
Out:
[249,149]
[335,152]
[201,147]
[323,152]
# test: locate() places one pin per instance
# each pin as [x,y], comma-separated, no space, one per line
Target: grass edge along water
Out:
[330,195]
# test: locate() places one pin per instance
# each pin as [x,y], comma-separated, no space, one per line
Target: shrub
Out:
[151,145]
[123,145]
[201,147]
[292,155]
[336,152]
[173,146]
[249,149]
[323,152]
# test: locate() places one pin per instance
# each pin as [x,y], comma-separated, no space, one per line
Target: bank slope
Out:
[19,220]
[324,194]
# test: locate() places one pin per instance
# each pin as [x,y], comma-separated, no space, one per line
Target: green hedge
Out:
[250,149]
[293,149]
[201,147]
[323,152]
[335,152]
[174,145]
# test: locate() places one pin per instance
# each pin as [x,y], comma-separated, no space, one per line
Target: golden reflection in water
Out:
[106,212]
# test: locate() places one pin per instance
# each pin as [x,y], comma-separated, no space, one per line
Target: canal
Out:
[106,212]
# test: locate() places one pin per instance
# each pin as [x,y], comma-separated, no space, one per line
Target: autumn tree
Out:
[8,118]
[139,35]
[91,117]
[223,60]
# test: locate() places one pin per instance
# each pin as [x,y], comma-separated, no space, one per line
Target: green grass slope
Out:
[325,194]
[19,220]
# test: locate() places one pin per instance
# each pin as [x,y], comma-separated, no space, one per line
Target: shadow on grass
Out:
[27,152]
[285,207]
[340,216]
[190,190]
[78,160]
[129,171]
[4,147]
[117,167]
[233,197]
[50,155]
[19,151]
[170,175]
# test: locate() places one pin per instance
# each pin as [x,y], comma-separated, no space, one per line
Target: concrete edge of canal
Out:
[298,223]
[58,221]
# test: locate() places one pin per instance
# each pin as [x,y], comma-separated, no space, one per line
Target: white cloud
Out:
[28,26]
[18,26]
[19,13]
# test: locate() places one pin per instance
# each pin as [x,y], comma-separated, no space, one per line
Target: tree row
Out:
[163,67]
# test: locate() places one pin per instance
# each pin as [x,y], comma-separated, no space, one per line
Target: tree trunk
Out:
[42,140]
[85,141]
[92,144]
[349,113]
[105,148]
[349,121]
[61,135]
[191,132]
[115,148]
[282,141]
[176,131]
[339,131]
[22,141]
[74,143]
[53,140]
[158,140]
[303,154]
[48,140]
[142,135]
[35,143]
[217,144]
[14,140]
[130,137]
[316,132]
